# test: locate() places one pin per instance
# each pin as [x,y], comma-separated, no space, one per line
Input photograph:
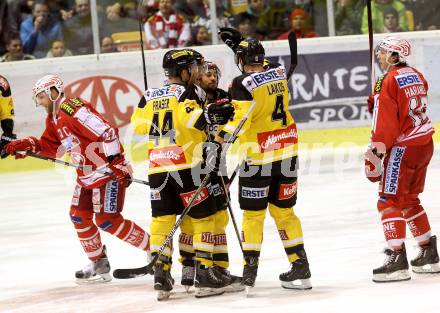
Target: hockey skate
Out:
[427,261]
[95,272]
[188,273]
[207,283]
[394,269]
[163,282]
[232,282]
[298,277]
[250,273]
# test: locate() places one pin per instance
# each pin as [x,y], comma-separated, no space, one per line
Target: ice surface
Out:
[39,251]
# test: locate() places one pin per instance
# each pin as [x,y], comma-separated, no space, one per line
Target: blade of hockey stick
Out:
[293,46]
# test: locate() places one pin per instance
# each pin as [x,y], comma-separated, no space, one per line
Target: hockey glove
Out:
[27,145]
[212,152]
[231,37]
[370,103]
[373,165]
[218,113]
[4,140]
[121,169]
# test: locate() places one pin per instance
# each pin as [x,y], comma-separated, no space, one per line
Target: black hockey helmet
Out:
[174,61]
[197,55]
[211,66]
[250,51]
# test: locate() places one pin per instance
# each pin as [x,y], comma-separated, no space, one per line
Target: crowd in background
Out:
[32,29]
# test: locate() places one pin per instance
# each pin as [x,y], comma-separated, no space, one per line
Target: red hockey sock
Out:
[125,230]
[88,233]
[418,223]
[394,227]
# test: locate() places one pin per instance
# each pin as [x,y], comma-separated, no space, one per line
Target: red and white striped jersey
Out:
[78,129]
[400,103]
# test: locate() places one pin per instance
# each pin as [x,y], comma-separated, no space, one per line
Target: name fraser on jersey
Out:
[278,139]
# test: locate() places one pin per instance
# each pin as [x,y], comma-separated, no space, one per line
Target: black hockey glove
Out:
[212,151]
[4,140]
[231,37]
[218,113]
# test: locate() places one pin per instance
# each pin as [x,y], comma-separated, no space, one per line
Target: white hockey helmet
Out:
[394,44]
[45,83]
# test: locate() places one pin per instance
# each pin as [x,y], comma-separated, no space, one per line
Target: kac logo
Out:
[114,97]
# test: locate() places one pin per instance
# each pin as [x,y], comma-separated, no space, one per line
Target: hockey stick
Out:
[126,273]
[80,167]
[228,202]
[144,69]
[293,47]
[234,222]
[370,43]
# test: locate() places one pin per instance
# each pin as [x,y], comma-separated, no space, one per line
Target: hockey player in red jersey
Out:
[73,126]
[398,156]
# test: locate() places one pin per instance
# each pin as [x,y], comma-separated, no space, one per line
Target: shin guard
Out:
[289,229]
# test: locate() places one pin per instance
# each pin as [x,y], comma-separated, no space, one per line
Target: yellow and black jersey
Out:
[6,103]
[270,132]
[172,118]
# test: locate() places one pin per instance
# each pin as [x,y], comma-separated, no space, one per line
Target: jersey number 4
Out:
[278,112]
[165,131]
[417,110]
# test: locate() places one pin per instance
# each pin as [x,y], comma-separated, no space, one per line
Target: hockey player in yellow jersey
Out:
[174,121]
[268,177]
[208,81]
[6,115]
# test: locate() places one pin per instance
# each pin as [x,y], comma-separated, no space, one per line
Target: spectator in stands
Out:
[15,51]
[58,9]
[166,29]
[270,17]
[107,45]
[348,16]
[4,25]
[19,11]
[77,31]
[391,21]
[39,30]
[58,49]
[246,24]
[119,20]
[378,8]
[201,36]
[425,12]
[300,25]
[201,14]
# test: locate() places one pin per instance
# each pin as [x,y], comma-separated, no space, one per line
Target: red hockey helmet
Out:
[394,44]
[45,83]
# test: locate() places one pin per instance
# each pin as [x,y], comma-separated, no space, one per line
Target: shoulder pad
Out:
[379,82]
[67,108]
[194,93]
[173,90]
[271,75]
[151,18]
[77,102]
